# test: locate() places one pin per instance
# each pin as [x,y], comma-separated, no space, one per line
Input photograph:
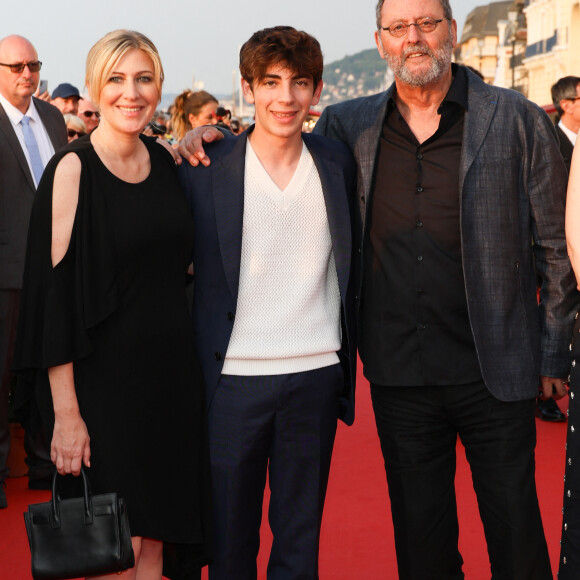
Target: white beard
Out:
[440,62]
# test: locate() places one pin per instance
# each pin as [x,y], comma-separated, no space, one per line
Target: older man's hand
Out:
[552,387]
[191,146]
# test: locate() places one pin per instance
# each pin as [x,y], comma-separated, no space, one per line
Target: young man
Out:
[274,310]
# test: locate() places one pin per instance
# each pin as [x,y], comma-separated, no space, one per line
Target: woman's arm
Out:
[573,214]
[70,446]
[65,197]
[70,441]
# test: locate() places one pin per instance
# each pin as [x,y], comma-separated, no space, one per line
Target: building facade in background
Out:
[526,45]
[478,46]
[553,46]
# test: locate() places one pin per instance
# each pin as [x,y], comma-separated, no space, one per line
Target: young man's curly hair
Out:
[281,45]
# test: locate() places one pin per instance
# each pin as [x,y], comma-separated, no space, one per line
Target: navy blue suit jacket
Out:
[216,197]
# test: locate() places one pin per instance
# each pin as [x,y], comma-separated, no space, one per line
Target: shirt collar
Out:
[15,115]
[457,92]
[570,134]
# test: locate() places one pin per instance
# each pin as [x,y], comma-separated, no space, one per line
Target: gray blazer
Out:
[512,183]
[17,191]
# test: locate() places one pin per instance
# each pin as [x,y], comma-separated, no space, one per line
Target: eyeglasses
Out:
[399,29]
[89,114]
[17,68]
[72,133]
[571,98]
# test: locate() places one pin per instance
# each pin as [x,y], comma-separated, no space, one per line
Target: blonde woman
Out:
[105,316]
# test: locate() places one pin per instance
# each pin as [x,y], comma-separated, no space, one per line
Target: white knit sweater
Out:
[288,311]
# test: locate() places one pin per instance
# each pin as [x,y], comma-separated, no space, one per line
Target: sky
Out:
[198,40]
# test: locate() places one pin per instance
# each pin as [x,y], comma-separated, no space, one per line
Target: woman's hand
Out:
[70,447]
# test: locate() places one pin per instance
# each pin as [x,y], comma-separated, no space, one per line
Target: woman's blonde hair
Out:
[107,52]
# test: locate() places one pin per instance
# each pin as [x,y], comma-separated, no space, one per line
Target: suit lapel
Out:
[337,209]
[228,188]
[14,144]
[566,147]
[368,141]
[482,105]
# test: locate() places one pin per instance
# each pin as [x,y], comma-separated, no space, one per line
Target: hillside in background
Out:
[353,76]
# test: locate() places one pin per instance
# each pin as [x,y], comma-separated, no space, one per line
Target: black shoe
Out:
[548,411]
[3,500]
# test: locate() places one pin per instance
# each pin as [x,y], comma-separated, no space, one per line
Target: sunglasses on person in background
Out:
[89,114]
[426,25]
[72,133]
[570,98]
[17,68]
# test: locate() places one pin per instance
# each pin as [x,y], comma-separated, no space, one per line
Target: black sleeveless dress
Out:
[116,306]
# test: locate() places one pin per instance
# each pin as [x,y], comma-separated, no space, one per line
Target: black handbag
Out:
[79,537]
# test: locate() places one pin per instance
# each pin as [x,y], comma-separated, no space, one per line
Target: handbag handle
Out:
[87,497]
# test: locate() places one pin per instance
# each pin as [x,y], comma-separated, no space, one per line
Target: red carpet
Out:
[357,535]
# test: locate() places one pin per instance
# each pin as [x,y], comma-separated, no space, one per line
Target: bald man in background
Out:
[30,132]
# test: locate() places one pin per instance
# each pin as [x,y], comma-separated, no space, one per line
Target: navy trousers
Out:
[418,429]
[283,426]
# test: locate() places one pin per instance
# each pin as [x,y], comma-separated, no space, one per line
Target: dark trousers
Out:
[283,425]
[37,449]
[418,429]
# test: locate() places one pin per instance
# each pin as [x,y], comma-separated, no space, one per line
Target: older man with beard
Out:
[456,178]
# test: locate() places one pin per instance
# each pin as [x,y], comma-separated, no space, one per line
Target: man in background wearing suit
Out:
[273,310]
[566,99]
[455,178]
[30,132]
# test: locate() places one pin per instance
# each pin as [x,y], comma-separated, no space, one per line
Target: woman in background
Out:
[570,551]
[104,316]
[192,109]
[75,127]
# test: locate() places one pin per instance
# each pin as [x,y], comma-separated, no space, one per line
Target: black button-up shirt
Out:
[415,327]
